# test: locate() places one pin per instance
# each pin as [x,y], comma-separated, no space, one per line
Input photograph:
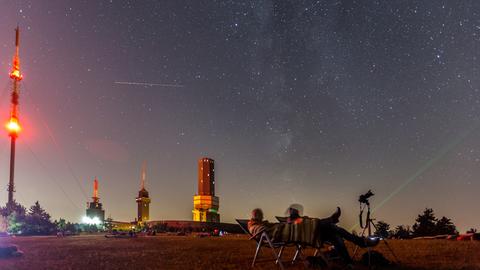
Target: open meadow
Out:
[189,252]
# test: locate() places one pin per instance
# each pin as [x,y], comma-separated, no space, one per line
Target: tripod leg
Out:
[388,246]
[391,251]
[369,249]
[356,247]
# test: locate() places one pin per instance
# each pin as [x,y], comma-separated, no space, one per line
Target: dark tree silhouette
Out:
[15,216]
[402,232]
[446,226]
[38,221]
[16,223]
[109,224]
[13,207]
[382,229]
[60,224]
[35,221]
[472,230]
[72,227]
[426,224]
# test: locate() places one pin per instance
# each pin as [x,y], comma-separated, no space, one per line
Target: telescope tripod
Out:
[367,227]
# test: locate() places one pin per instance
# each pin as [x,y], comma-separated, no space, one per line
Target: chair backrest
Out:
[281,219]
[244,225]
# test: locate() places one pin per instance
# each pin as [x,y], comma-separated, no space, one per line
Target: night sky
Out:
[310,102]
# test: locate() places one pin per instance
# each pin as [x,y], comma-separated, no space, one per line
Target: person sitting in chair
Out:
[294,216]
[309,231]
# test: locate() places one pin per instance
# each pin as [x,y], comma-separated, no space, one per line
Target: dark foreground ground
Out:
[189,252]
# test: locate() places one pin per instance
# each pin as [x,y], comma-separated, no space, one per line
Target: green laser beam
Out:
[422,169]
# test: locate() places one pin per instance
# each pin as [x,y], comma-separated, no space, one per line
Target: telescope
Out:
[364,197]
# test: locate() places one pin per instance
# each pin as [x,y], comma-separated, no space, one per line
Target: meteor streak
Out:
[149,84]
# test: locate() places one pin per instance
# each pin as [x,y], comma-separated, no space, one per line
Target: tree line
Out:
[16,219]
[426,224]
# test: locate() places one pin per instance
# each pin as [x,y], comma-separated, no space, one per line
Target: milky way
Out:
[310,102]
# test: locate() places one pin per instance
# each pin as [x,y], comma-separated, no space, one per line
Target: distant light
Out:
[13,127]
[91,221]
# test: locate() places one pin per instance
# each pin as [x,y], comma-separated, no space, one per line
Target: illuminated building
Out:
[143,200]
[205,203]
[95,213]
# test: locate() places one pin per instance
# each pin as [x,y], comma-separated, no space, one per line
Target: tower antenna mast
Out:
[13,125]
[144,174]
[95,190]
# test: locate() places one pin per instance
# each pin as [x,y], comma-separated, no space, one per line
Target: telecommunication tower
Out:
[13,124]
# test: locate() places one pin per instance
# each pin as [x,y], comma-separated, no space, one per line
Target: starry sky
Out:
[298,101]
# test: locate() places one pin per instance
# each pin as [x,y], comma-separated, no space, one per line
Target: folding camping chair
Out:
[300,248]
[262,239]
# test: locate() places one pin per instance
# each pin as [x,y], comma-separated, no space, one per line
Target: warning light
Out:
[13,127]
[15,74]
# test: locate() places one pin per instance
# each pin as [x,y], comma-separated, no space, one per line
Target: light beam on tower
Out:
[13,125]
[95,190]
[95,213]
[144,174]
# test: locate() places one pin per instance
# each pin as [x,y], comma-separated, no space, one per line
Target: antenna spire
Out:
[142,180]
[15,73]
[95,190]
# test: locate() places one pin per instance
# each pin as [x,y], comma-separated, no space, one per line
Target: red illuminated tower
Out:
[205,203]
[95,212]
[13,125]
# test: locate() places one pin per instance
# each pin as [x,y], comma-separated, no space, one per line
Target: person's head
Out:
[293,213]
[257,214]
[296,208]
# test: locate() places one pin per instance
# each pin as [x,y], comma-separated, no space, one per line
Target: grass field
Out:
[188,252]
